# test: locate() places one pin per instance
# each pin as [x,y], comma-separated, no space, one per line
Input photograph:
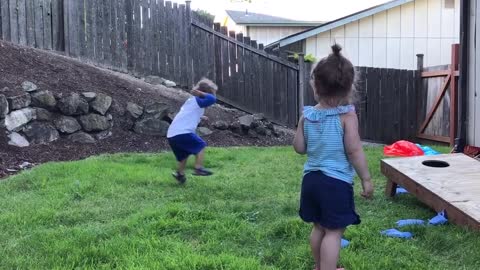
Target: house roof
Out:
[336,23]
[257,19]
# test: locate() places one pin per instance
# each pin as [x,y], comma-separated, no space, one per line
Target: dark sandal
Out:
[202,172]
[179,177]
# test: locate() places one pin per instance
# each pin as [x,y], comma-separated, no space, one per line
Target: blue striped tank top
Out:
[323,131]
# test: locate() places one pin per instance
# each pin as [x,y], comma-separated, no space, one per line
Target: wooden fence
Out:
[386,103]
[157,37]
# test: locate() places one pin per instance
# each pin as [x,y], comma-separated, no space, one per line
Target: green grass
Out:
[125,211]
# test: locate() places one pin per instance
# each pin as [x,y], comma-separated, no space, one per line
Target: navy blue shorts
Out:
[184,145]
[327,201]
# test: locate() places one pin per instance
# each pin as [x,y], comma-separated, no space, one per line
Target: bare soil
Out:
[63,75]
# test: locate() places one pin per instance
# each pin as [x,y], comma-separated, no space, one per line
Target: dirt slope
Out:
[63,75]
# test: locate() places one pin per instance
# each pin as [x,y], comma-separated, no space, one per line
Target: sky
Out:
[305,10]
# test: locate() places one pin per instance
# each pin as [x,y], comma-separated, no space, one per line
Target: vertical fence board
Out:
[114,35]
[47,22]
[169,37]
[90,29]
[136,36]
[30,14]
[162,55]
[13,20]
[156,37]
[240,85]
[146,38]
[183,43]
[122,31]
[39,23]
[106,33]
[22,22]
[5,13]
[58,41]
[129,41]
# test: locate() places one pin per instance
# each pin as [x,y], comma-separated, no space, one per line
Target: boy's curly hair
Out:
[333,78]
[207,86]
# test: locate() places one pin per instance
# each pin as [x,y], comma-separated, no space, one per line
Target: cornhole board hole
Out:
[443,182]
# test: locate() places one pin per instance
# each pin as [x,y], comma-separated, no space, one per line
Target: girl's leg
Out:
[199,159]
[330,249]
[316,238]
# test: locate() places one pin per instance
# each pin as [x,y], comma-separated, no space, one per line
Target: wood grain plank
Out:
[22,22]
[13,21]
[58,41]
[47,22]
[30,14]
[5,18]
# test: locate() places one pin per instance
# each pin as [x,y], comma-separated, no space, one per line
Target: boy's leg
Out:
[316,238]
[181,166]
[330,249]
[199,159]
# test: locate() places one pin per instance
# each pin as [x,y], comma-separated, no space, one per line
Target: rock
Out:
[268,133]
[17,140]
[246,121]
[255,124]
[109,117]
[258,117]
[221,125]
[103,135]
[4,107]
[203,131]
[19,102]
[25,165]
[81,137]
[41,132]
[151,126]
[252,133]
[29,86]
[89,96]
[73,104]
[261,130]
[4,90]
[236,127]
[44,99]
[17,119]
[270,126]
[94,122]
[101,104]
[168,83]
[67,124]
[43,114]
[156,110]
[154,80]
[134,110]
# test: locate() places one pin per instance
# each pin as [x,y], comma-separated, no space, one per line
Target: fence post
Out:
[188,48]
[454,94]
[301,84]
[418,91]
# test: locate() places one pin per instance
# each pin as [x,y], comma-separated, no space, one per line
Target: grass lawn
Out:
[125,211]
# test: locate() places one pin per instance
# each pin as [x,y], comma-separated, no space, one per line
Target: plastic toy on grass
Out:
[401,190]
[397,234]
[428,151]
[402,149]
[345,243]
[409,222]
[439,219]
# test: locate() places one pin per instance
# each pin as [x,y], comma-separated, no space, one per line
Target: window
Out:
[450,4]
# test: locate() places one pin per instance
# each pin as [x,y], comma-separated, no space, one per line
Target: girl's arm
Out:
[354,149]
[299,141]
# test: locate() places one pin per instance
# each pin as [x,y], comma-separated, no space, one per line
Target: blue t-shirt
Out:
[324,133]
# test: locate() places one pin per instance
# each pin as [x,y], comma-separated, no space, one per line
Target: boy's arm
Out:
[206,100]
[299,140]
[354,149]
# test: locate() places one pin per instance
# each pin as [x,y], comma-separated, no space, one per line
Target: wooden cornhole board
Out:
[455,188]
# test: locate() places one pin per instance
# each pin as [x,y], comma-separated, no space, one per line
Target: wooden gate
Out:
[446,125]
